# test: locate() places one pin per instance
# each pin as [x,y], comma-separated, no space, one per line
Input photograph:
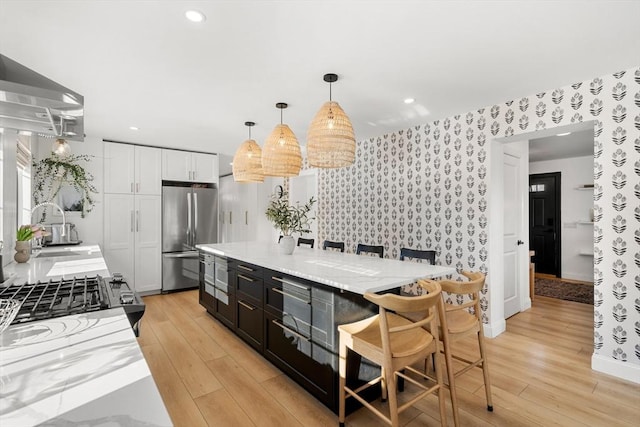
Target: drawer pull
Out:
[281,326]
[245,305]
[248,279]
[245,268]
[277,279]
[283,293]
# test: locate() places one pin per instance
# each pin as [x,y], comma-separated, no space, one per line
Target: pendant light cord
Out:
[330,91]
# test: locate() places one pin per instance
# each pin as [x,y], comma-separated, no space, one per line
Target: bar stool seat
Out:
[395,342]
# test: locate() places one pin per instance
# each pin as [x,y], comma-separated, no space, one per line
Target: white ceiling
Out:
[576,144]
[186,85]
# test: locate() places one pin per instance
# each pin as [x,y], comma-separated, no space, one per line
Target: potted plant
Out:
[23,240]
[289,219]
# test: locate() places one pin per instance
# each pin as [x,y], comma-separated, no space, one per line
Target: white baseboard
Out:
[494,329]
[577,276]
[527,304]
[625,370]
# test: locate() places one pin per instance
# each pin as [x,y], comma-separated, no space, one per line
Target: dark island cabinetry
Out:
[291,321]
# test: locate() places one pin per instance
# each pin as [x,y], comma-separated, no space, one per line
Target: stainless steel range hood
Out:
[31,102]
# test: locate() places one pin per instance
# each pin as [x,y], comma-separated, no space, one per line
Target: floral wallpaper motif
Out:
[427,187]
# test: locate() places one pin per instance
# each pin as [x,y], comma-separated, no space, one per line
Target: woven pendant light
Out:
[247,162]
[281,154]
[331,142]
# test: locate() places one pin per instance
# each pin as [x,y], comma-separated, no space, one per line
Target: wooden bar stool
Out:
[456,323]
[394,342]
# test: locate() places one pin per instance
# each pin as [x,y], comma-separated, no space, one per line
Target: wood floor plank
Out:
[309,411]
[254,399]
[180,405]
[206,347]
[540,370]
[221,410]
[194,372]
[258,367]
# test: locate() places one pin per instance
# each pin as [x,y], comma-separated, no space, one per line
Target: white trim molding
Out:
[495,328]
[625,370]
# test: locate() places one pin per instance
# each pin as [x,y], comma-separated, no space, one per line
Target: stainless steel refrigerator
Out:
[189,217]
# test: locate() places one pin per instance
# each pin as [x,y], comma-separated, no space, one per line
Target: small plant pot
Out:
[287,245]
[23,249]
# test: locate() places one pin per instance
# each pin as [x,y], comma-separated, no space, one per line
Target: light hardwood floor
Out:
[540,373]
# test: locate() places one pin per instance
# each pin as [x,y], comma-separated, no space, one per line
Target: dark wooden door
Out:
[544,221]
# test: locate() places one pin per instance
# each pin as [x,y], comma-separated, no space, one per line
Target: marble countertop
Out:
[58,262]
[84,369]
[350,272]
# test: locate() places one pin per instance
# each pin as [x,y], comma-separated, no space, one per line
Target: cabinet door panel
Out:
[148,163]
[118,168]
[204,167]
[176,165]
[147,243]
[119,224]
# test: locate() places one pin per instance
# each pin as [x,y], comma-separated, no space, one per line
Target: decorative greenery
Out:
[28,232]
[51,173]
[289,219]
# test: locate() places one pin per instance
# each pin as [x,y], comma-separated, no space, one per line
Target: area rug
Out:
[564,290]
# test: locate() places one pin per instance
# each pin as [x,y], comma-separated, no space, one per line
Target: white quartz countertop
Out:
[58,262]
[84,369]
[350,272]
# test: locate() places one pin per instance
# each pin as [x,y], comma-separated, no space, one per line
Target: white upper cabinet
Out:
[131,169]
[187,166]
[205,167]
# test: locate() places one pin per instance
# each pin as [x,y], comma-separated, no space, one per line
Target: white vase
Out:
[287,245]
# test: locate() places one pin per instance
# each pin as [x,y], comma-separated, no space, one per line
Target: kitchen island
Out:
[79,369]
[288,307]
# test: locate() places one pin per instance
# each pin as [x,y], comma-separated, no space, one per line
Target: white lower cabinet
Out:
[132,243]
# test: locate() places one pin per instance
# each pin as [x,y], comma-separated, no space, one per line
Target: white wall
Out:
[575,206]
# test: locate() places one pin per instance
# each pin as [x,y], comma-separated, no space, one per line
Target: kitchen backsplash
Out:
[427,187]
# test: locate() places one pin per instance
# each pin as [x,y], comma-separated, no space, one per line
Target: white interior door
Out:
[511,235]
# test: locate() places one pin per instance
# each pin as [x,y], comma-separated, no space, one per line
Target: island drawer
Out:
[249,322]
[225,308]
[250,286]
[245,268]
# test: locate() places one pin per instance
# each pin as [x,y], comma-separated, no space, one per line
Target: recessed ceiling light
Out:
[133,128]
[409,101]
[564,134]
[195,16]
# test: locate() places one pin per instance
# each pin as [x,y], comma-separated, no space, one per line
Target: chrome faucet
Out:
[55,206]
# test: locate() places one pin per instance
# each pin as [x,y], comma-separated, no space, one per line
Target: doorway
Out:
[544,222]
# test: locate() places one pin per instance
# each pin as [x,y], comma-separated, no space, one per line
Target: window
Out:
[23,158]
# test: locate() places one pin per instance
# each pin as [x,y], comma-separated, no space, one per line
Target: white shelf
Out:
[584,188]
[585,222]
[586,253]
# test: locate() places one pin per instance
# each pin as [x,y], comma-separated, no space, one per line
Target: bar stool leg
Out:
[485,371]
[342,369]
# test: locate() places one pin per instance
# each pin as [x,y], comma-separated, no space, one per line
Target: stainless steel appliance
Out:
[57,237]
[56,298]
[189,217]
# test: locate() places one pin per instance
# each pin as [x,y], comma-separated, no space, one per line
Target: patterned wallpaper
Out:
[426,187]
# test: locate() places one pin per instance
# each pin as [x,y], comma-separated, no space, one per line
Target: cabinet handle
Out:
[283,293]
[281,326]
[195,174]
[137,220]
[132,187]
[230,222]
[132,221]
[137,187]
[290,283]
[245,305]
[245,268]
[246,217]
[248,279]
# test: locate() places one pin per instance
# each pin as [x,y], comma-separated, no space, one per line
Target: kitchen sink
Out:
[57,254]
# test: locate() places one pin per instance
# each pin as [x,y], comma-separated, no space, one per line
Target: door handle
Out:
[188,219]
[195,219]
[520,242]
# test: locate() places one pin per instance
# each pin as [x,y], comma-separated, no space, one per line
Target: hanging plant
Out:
[54,172]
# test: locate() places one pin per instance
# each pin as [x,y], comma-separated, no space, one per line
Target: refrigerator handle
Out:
[189,219]
[195,218]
